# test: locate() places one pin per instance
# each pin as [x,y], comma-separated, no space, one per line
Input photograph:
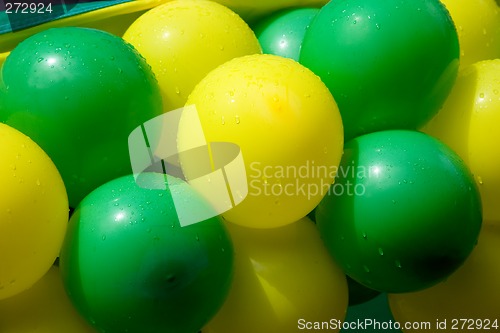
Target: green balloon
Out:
[282,33]
[129,266]
[389,64]
[374,315]
[403,214]
[79,93]
[359,294]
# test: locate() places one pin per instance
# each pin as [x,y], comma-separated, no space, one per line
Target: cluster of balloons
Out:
[376,120]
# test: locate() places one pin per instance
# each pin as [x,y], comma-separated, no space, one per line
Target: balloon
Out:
[470,297]
[288,128]
[403,214]
[371,316]
[282,33]
[254,10]
[129,266]
[359,294]
[184,40]
[33,212]
[478,27]
[389,64]
[469,122]
[284,279]
[79,93]
[44,308]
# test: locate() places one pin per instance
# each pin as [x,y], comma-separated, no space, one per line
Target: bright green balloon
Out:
[282,33]
[389,64]
[403,214]
[79,93]
[129,266]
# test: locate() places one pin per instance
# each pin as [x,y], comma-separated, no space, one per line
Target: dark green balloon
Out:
[375,315]
[359,294]
[129,266]
[403,214]
[282,33]
[389,64]
[79,93]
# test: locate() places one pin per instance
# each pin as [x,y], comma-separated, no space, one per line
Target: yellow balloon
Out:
[256,9]
[473,292]
[44,308]
[478,27]
[469,123]
[33,212]
[288,127]
[284,280]
[183,40]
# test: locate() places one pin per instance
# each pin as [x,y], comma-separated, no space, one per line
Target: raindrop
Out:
[365,236]
[103,237]
[398,264]
[481,95]
[480,180]
[38,182]
[366,269]
[223,121]
[40,59]
[237,119]
[377,26]
[381,251]
[177,91]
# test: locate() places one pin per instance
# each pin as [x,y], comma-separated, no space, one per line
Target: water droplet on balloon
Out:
[40,59]
[365,236]
[481,95]
[377,26]
[398,264]
[480,180]
[177,91]
[381,251]
[38,182]
[103,237]
[237,119]
[223,120]
[366,268]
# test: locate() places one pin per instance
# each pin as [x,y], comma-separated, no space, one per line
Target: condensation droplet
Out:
[381,251]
